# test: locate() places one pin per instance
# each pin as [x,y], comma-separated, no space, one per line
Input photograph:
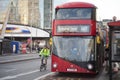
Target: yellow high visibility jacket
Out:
[45,52]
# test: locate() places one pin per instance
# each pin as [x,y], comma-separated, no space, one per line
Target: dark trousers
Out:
[43,60]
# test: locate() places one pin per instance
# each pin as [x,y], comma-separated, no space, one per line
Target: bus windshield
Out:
[74,13]
[74,48]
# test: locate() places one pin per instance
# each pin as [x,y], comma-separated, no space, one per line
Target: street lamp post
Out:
[32,17]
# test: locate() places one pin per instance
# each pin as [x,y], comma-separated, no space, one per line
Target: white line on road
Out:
[10,70]
[44,76]
[21,74]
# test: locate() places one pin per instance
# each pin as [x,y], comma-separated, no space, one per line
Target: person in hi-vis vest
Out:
[44,54]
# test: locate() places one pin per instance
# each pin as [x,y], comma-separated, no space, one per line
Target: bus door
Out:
[114,46]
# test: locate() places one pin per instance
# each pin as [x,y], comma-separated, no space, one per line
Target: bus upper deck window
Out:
[84,13]
[75,13]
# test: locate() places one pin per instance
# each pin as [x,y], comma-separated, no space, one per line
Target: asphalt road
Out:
[75,76]
[29,70]
[23,70]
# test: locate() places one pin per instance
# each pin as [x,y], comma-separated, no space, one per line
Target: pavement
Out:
[18,57]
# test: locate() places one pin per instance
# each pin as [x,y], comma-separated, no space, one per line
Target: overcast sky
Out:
[106,9]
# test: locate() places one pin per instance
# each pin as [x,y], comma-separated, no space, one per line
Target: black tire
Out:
[45,67]
[41,68]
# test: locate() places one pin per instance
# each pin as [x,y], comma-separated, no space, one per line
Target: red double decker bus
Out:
[74,31]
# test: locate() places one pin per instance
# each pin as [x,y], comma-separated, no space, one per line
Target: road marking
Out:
[10,70]
[21,74]
[44,76]
[7,77]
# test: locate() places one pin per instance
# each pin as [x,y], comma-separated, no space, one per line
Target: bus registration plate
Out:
[71,69]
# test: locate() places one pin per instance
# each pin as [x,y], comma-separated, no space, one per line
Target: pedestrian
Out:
[44,54]
[38,49]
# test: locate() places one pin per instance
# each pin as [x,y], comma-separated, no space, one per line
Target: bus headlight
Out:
[55,65]
[90,66]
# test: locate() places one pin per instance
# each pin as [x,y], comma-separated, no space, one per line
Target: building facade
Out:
[14,16]
[48,6]
[22,12]
[34,13]
[29,12]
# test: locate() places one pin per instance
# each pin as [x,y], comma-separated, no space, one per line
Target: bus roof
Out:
[76,5]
